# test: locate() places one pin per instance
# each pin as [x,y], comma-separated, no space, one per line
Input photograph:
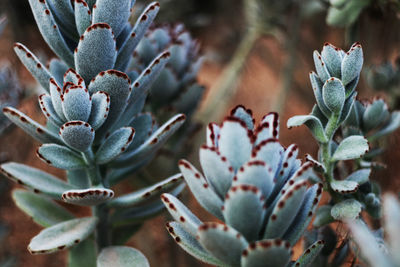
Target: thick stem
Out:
[102,230]
[225,88]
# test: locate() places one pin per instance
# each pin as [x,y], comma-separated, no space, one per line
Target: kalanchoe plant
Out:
[176,87]
[95,131]
[257,188]
[334,89]
[373,249]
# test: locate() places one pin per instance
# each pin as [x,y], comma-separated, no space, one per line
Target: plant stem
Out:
[225,88]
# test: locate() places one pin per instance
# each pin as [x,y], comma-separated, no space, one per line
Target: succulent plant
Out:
[334,89]
[373,249]
[176,87]
[258,189]
[95,131]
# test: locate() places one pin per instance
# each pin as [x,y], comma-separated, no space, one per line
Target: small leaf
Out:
[32,63]
[120,256]
[334,95]
[76,103]
[100,109]
[352,63]
[317,85]
[269,151]
[352,147]
[317,165]
[48,110]
[348,209]
[344,186]
[245,201]
[320,67]
[200,188]
[77,134]
[181,213]
[391,126]
[62,235]
[56,99]
[308,257]
[88,197]
[246,115]
[30,126]
[331,56]
[268,128]
[43,211]
[313,123]
[91,55]
[83,16]
[60,157]
[360,176]
[222,241]
[138,31]
[52,35]
[267,253]
[115,145]
[234,142]
[39,181]
[190,244]
[147,194]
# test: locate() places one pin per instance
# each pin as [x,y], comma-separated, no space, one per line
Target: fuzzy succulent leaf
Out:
[32,63]
[190,244]
[288,205]
[115,14]
[200,188]
[138,31]
[118,86]
[56,99]
[92,56]
[42,210]
[245,201]
[121,256]
[333,94]
[267,253]
[352,64]
[360,176]
[391,126]
[304,215]
[216,169]
[222,241]
[234,142]
[88,197]
[317,86]
[36,179]
[48,110]
[344,186]
[352,147]
[77,135]
[115,145]
[348,209]
[320,67]
[60,157]
[146,194]
[331,55]
[100,109]
[57,68]
[76,103]
[307,258]
[30,126]
[312,122]
[83,254]
[181,214]
[144,122]
[83,16]
[62,235]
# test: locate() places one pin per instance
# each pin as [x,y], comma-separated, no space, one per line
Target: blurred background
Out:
[257,53]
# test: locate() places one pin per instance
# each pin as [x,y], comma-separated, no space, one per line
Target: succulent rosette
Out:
[254,186]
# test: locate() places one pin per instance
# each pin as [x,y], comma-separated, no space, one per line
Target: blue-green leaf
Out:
[60,157]
[313,123]
[267,253]
[348,209]
[307,258]
[114,13]
[352,63]
[77,134]
[334,95]
[352,147]
[115,145]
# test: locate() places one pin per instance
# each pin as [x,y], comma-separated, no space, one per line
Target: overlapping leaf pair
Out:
[254,185]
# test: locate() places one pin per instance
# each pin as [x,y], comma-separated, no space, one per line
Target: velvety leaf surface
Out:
[83,16]
[114,13]
[267,253]
[344,186]
[60,157]
[62,235]
[312,122]
[348,209]
[352,63]
[352,147]
[42,210]
[77,134]
[120,256]
[88,197]
[333,94]
[310,254]
[100,109]
[35,179]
